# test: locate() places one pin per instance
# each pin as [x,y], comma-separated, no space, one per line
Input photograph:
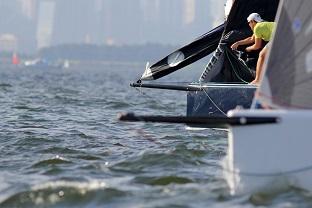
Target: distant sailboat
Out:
[15,59]
[66,64]
[41,63]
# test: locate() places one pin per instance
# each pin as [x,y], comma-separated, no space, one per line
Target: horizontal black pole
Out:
[211,122]
[167,87]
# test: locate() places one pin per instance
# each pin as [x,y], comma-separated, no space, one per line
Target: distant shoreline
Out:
[98,53]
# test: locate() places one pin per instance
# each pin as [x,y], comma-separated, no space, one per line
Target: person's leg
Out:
[260,62]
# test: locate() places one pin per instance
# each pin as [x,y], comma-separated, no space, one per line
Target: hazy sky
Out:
[40,23]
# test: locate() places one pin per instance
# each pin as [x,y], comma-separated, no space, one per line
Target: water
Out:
[62,146]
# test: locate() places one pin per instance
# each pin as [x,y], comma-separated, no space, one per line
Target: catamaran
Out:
[273,143]
[223,84]
[261,155]
[269,145]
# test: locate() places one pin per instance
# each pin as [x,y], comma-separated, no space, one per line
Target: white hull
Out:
[269,156]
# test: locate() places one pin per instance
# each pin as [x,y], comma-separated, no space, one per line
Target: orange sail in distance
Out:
[15,59]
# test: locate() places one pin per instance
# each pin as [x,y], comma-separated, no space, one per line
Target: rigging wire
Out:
[201,88]
[235,71]
[212,101]
[139,89]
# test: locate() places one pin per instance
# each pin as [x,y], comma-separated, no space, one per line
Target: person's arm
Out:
[256,46]
[245,41]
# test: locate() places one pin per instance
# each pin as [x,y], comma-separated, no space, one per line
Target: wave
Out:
[64,194]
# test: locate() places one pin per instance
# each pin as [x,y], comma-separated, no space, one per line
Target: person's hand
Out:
[255,82]
[235,46]
[248,49]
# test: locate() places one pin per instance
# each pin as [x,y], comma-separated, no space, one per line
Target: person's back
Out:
[264,30]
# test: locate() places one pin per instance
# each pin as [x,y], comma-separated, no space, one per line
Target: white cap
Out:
[254,16]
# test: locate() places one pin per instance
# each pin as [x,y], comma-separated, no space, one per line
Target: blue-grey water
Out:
[62,145]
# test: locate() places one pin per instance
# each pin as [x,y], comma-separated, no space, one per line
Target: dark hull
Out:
[218,99]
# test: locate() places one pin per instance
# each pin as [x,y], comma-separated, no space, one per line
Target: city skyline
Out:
[43,23]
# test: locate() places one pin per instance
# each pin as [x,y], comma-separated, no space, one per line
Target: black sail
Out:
[209,42]
[288,76]
[201,47]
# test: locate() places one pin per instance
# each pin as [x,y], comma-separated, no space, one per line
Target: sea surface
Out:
[62,145]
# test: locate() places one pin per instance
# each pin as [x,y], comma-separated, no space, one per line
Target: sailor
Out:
[262,30]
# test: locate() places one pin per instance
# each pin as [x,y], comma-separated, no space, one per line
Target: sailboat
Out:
[269,146]
[223,84]
[15,59]
[259,156]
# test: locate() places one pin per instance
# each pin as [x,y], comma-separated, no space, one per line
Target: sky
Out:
[28,25]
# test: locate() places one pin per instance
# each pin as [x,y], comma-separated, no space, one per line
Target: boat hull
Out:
[270,156]
[218,99]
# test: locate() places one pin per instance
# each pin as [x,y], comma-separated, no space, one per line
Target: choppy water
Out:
[62,146]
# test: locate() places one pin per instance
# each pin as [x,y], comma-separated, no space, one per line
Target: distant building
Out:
[29,8]
[121,22]
[8,43]
[13,21]
[150,10]
[45,23]
[218,17]
[75,21]
[189,11]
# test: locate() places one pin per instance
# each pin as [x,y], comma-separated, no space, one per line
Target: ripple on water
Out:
[64,194]
[88,157]
[63,99]
[152,162]
[163,180]
[31,140]
[117,105]
[2,85]
[5,87]
[29,108]
[58,150]
[57,160]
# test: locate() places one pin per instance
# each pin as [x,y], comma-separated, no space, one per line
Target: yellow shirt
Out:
[264,30]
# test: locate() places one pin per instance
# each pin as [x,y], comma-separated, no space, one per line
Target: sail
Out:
[186,55]
[15,59]
[288,73]
[235,28]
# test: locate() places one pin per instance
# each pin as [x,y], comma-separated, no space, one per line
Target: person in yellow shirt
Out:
[262,30]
